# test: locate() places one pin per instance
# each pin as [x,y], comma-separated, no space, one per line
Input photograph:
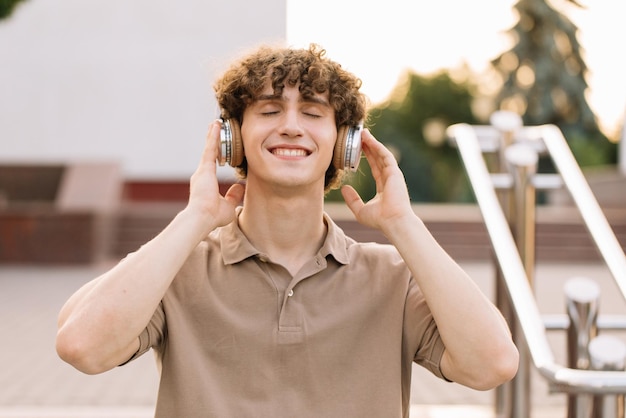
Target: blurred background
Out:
[106,104]
[104,107]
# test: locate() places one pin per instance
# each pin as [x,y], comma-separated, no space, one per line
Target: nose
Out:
[290,124]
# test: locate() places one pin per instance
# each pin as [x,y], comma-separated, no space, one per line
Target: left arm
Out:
[479,351]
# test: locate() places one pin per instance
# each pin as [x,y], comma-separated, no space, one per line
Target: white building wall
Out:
[123,80]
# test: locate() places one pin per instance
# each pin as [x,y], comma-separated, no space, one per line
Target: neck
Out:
[289,229]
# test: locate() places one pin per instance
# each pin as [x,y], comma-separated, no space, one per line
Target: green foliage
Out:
[591,150]
[544,80]
[7,7]
[421,109]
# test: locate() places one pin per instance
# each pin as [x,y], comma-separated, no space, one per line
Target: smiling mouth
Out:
[290,152]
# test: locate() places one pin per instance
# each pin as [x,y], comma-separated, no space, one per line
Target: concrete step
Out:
[560,233]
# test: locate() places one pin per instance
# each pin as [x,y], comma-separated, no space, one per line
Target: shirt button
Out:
[262,258]
[290,294]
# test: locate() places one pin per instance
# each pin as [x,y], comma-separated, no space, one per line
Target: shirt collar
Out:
[236,247]
[336,242]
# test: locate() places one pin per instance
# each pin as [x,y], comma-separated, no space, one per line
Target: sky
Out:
[380,40]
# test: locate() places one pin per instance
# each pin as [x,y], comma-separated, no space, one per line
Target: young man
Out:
[258,305]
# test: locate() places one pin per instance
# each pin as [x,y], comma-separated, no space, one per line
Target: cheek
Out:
[331,139]
[248,135]
[333,143]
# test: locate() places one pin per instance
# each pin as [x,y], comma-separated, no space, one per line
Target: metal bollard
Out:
[607,353]
[522,161]
[582,300]
[507,123]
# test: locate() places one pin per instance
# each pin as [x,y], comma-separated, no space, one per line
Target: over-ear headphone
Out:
[346,155]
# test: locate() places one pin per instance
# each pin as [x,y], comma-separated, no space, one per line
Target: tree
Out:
[412,124]
[7,7]
[544,79]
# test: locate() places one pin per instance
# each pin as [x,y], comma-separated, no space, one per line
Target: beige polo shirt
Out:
[237,336]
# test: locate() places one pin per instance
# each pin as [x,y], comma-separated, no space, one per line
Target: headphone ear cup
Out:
[237,154]
[339,154]
[347,153]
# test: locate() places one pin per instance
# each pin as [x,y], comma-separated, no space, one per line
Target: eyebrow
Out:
[302,99]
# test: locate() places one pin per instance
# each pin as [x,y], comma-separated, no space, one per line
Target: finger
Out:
[378,156]
[378,150]
[373,158]
[209,154]
[207,163]
[352,199]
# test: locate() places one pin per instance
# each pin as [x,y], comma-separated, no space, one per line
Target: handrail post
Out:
[592,214]
[581,300]
[507,124]
[520,295]
[522,161]
[607,353]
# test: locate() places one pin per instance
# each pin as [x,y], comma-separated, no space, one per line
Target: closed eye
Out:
[314,110]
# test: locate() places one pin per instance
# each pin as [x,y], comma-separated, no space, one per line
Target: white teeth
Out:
[289,152]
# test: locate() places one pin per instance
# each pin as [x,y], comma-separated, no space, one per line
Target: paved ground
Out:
[34,383]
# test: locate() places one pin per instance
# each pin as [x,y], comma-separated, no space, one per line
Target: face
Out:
[289,139]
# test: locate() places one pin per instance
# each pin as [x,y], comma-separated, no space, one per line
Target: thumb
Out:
[235,194]
[352,199]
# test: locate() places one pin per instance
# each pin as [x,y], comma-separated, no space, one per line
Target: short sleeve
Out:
[421,332]
[152,336]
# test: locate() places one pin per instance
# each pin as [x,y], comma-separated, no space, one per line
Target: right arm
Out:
[99,325]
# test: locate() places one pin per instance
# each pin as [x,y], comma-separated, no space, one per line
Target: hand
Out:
[391,202]
[204,195]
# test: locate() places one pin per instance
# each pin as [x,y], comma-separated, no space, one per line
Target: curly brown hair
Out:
[310,69]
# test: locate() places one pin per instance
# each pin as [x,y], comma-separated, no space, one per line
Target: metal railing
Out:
[514,257]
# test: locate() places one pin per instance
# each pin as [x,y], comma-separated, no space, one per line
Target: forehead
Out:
[289,92]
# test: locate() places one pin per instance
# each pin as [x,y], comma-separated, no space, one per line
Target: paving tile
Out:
[35,383]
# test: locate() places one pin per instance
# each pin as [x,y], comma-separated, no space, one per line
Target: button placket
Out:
[290,329]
